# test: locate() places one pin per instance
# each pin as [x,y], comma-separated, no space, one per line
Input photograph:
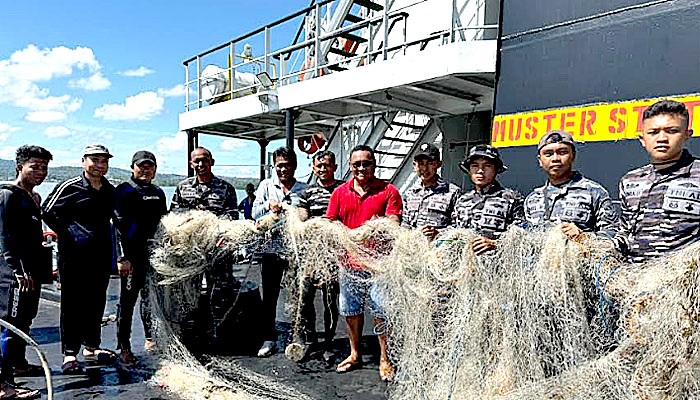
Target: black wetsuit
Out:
[139,207]
[21,237]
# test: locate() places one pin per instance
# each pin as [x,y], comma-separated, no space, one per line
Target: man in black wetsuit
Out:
[139,205]
[25,265]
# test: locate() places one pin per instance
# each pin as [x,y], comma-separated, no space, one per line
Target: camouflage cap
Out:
[556,137]
[96,149]
[483,151]
[428,150]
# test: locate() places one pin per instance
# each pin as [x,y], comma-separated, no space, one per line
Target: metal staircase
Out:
[341,15]
[394,135]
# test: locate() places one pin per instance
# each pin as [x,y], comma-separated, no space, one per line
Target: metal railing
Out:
[277,62]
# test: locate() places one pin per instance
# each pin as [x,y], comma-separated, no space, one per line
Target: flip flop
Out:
[100,358]
[26,394]
[72,368]
[348,366]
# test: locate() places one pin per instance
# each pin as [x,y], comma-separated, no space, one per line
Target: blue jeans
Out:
[355,289]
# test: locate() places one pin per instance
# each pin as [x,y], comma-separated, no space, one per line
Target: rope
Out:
[34,345]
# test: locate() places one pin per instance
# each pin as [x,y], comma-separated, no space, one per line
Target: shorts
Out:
[355,289]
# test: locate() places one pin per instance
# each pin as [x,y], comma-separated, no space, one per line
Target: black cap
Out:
[141,156]
[483,151]
[428,150]
[556,137]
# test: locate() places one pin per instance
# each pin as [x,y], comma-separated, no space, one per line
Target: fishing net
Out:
[541,316]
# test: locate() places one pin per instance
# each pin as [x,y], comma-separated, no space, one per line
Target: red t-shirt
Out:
[347,206]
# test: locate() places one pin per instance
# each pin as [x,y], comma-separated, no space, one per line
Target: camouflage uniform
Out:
[580,201]
[217,196]
[433,205]
[660,209]
[490,212]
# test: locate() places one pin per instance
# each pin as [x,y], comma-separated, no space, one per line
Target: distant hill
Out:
[115,175]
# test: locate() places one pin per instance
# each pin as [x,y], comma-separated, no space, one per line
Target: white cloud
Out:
[58,131]
[142,106]
[231,144]
[8,152]
[139,72]
[24,69]
[95,82]
[34,64]
[6,129]
[45,116]
[172,144]
[175,91]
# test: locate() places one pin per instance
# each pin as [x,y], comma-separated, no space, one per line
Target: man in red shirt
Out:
[353,203]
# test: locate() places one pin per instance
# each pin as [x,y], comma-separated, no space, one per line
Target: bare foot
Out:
[349,364]
[386,371]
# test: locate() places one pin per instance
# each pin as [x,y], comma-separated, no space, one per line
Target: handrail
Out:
[319,63]
[301,27]
[259,30]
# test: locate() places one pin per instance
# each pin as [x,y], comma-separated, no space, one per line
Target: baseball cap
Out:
[96,149]
[141,156]
[483,151]
[556,137]
[428,150]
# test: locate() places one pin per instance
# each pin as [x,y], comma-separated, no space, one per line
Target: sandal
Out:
[127,359]
[100,358]
[347,366]
[72,367]
[24,393]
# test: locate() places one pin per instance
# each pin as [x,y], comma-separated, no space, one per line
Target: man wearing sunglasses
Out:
[353,203]
[429,203]
[488,209]
[567,198]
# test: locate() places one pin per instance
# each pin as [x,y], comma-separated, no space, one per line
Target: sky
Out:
[76,72]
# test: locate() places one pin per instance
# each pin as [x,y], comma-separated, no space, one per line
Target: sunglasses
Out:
[366,164]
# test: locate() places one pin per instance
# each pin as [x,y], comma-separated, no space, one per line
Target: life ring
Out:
[311,144]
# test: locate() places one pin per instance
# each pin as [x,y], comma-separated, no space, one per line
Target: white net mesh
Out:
[542,316]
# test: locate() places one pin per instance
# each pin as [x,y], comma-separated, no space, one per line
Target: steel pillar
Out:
[263,157]
[192,143]
[289,117]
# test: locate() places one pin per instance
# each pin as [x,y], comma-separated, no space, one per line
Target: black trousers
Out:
[131,285]
[330,293]
[83,297]
[22,310]
[273,267]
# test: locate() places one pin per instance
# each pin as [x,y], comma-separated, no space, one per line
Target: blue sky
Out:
[77,72]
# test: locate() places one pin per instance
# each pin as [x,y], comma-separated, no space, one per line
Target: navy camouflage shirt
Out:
[432,205]
[660,209]
[217,196]
[489,212]
[580,201]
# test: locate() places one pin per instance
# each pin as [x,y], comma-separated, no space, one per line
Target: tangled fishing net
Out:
[541,316]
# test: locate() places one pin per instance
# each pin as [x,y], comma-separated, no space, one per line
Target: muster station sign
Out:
[589,123]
